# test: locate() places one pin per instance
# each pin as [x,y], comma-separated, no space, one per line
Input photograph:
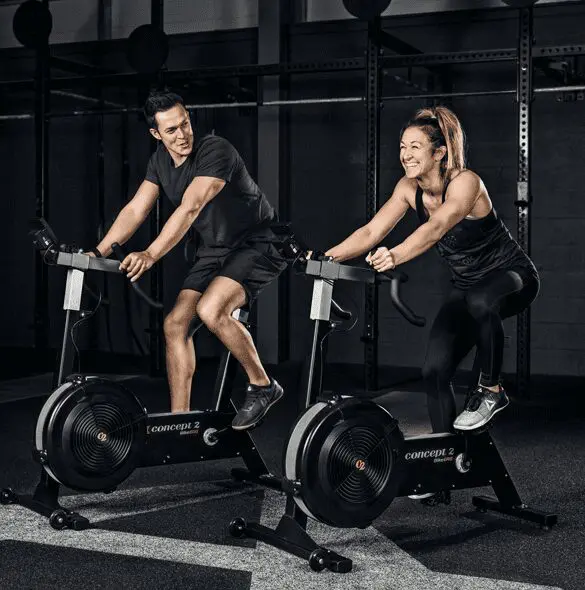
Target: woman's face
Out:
[417,155]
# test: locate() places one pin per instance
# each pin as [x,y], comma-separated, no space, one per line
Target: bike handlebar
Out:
[296,250]
[396,278]
[119,254]
[340,312]
[329,270]
[46,242]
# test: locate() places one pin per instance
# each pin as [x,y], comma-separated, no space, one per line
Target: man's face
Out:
[174,130]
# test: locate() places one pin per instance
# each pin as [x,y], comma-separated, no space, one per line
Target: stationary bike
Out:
[346,458]
[93,432]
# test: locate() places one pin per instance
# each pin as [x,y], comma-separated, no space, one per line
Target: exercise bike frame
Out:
[164,444]
[430,463]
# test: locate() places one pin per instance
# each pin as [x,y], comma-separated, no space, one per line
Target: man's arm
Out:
[200,192]
[130,217]
[367,236]
[463,193]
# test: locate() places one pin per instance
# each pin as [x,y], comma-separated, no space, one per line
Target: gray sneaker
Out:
[481,407]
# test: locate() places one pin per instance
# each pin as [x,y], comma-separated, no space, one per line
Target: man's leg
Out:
[215,308]
[180,350]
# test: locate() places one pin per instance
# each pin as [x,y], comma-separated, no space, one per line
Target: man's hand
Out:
[382,259]
[136,264]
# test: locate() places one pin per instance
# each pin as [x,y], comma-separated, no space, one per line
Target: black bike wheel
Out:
[93,435]
[348,463]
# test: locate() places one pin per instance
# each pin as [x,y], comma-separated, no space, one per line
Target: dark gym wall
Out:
[16,256]
[327,172]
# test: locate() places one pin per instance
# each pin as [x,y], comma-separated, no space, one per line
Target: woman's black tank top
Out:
[476,247]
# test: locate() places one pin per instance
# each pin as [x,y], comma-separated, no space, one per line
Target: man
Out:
[211,190]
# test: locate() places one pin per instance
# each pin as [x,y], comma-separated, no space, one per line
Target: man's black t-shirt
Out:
[239,212]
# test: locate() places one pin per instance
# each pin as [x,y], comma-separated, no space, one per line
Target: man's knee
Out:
[179,321]
[211,314]
[175,327]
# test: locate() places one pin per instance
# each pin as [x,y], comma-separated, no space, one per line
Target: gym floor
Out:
[167,527]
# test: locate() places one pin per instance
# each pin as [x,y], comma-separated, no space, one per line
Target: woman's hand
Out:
[136,264]
[318,255]
[331,255]
[381,259]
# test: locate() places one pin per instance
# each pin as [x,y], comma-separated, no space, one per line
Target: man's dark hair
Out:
[158,102]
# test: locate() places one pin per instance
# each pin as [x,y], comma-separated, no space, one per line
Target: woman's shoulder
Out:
[464,175]
[406,184]
[466,180]
[407,188]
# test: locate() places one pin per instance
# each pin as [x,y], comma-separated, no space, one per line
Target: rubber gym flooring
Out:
[166,527]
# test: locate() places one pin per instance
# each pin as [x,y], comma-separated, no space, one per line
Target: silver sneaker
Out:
[433,498]
[481,407]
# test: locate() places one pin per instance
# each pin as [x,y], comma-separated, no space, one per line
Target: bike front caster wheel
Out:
[7,496]
[58,519]
[318,560]
[237,528]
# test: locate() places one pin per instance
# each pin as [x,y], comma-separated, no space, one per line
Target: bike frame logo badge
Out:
[178,427]
[440,455]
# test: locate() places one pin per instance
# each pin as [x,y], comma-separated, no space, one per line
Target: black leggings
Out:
[467,318]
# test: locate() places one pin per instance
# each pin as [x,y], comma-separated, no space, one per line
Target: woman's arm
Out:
[366,237]
[461,197]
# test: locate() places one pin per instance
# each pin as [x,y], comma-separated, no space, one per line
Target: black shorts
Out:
[252,265]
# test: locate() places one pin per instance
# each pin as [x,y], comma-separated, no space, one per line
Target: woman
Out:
[492,277]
